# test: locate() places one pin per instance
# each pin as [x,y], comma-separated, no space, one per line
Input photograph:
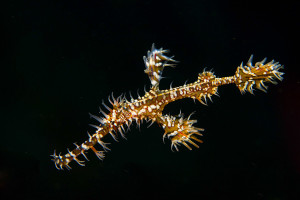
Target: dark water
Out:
[63,57]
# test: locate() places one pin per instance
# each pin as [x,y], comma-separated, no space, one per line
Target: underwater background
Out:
[62,58]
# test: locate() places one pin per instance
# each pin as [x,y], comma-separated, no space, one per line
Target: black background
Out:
[61,58]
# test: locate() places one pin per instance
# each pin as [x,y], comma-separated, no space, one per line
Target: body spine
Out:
[149,107]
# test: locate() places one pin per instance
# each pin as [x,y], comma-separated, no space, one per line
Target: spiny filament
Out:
[180,131]
[122,112]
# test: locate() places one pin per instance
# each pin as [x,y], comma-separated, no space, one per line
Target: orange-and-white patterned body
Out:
[149,107]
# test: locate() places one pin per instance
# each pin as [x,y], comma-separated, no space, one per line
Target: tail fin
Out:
[247,76]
